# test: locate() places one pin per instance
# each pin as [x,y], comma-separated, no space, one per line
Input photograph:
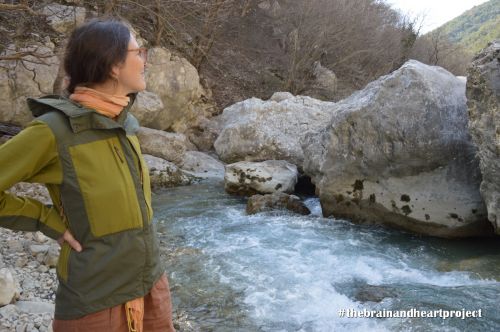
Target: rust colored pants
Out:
[157,315]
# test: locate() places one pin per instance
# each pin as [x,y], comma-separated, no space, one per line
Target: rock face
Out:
[173,82]
[256,130]
[483,101]
[259,203]
[324,85]
[270,7]
[62,18]
[249,178]
[399,153]
[18,81]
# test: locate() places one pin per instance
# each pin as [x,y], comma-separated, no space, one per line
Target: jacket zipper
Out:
[62,214]
[141,175]
[118,154]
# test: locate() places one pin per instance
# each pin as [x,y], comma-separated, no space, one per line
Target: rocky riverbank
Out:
[28,276]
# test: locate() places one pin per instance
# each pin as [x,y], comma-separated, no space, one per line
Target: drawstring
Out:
[135,314]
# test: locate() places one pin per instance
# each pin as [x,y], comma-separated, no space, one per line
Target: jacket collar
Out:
[82,118]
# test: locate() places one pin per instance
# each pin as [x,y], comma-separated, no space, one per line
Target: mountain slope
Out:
[475,27]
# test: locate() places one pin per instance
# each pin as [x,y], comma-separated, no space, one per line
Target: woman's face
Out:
[130,73]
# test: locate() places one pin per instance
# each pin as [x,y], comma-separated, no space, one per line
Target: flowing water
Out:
[278,271]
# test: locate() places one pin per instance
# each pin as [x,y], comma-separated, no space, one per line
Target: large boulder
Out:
[179,160]
[165,145]
[399,153]
[203,132]
[32,77]
[202,165]
[267,177]
[483,101]
[256,130]
[164,174]
[176,98]
[148,108]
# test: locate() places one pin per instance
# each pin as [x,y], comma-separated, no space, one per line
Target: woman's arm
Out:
[30,156]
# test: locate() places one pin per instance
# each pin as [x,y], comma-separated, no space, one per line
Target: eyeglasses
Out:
[143,52]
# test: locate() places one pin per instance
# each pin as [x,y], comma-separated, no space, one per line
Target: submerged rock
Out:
[260,203]
[483,100]
[373,293]
[399,153]
[249,178]
[485,267]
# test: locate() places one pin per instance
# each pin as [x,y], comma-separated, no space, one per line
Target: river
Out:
[278,271]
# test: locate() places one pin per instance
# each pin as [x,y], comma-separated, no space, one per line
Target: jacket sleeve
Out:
[30,156]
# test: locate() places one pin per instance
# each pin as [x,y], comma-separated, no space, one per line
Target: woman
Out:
[84,149]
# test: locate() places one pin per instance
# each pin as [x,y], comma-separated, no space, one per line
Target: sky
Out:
[436,12]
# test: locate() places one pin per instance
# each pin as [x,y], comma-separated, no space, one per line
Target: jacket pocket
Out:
[63,262]
[107,186]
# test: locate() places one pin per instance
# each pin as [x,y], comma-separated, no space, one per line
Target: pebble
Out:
[7,286]
[40,257]
[52,256]
[40,237]
[15,245]
[21,262]
[42,269]
[38,249]
[33,264]
[35,307]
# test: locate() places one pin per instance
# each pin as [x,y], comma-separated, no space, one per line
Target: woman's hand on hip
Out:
[68,237]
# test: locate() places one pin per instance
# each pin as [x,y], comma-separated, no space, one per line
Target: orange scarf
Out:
[135,314]
[104,103]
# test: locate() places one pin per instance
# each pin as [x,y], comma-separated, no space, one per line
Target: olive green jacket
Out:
[99,183]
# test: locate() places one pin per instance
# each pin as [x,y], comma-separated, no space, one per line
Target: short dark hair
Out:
[93,49]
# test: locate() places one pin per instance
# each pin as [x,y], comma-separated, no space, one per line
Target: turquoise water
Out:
[277,271]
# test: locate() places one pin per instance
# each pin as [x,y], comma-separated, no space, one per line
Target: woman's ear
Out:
[115,72]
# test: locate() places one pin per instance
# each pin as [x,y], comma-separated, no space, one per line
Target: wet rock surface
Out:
[276,201]
[249,178]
